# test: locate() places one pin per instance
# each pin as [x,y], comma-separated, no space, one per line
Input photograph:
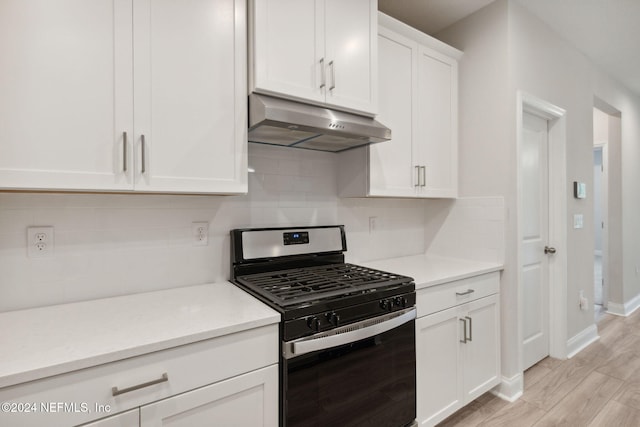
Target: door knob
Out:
[549,250]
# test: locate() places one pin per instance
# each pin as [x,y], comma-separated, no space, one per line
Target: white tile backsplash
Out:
[114,244]
[471,228]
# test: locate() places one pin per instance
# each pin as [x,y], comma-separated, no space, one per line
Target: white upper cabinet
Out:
[418,102]
[317,51]
[75,74]
[389,161]
[66,94]
[437,138]
[190,96]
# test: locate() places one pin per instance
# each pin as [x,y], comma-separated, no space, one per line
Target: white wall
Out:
[107,244]
[549,68]
[506,49]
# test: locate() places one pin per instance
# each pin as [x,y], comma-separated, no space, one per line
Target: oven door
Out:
[361,374]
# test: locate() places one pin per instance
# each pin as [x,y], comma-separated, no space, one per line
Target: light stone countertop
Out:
[40,342]
[430,270]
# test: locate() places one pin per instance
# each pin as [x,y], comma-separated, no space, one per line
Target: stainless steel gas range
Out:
[347,332]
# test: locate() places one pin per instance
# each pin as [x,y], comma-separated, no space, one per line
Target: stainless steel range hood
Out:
[293,124]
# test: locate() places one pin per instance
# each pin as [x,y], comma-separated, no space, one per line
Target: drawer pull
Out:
[116,392]
[461,294]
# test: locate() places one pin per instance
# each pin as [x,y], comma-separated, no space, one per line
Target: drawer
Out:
[440,297]
[88,394]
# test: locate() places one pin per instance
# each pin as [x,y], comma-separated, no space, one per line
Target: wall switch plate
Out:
[200,233]
[40,241]
[578,221]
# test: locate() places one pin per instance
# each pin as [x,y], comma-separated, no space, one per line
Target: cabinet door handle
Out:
[417,184]
[464,330]
[124,151]
[467,292]
[115,391]
[143,157]
[423,175]
[333,75]
[470,327]
[323,74]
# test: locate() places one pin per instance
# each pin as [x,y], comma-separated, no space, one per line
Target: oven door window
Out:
[367,383]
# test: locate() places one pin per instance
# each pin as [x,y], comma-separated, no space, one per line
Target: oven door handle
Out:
[348,334]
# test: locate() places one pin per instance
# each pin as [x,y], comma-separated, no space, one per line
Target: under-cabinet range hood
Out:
[293,124]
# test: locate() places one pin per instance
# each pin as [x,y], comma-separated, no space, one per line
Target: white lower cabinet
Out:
[230,380]
[125,419]
[457,346]
[222,404]
[246,400]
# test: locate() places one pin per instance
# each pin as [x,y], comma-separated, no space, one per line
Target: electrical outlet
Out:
[40,241]
[584,302]
[373,224]
[200,233]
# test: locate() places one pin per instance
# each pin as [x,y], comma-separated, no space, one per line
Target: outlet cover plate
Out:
[40,241]
[200,233]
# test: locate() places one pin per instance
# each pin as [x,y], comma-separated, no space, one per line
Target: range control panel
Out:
[295,238]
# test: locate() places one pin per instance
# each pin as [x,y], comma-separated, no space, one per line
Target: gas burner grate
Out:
[299,285]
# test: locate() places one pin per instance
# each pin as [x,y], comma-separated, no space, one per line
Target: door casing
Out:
[556,117]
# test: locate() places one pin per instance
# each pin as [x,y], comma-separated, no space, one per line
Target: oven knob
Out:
[314,323]
[401,302]
[386,304]
[333,318]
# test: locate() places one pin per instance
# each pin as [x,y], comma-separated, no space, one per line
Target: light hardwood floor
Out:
[600,386]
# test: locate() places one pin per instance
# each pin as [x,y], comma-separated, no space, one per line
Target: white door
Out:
[190,95]
[351,51]
[534,267]
[391,164]
[246,400]
[288,48]
[66,94]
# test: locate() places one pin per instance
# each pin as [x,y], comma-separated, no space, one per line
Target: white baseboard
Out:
[579,341]
[624,309]
[510,389]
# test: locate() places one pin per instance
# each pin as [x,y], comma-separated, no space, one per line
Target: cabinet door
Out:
[438,366]
[125,419]
[482,351]
[437,120]
[351,52]
[66,94]
[287,44]
[391,163]
[246,400]
[190,96]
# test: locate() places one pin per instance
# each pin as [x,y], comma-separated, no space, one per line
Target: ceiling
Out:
[606,31]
